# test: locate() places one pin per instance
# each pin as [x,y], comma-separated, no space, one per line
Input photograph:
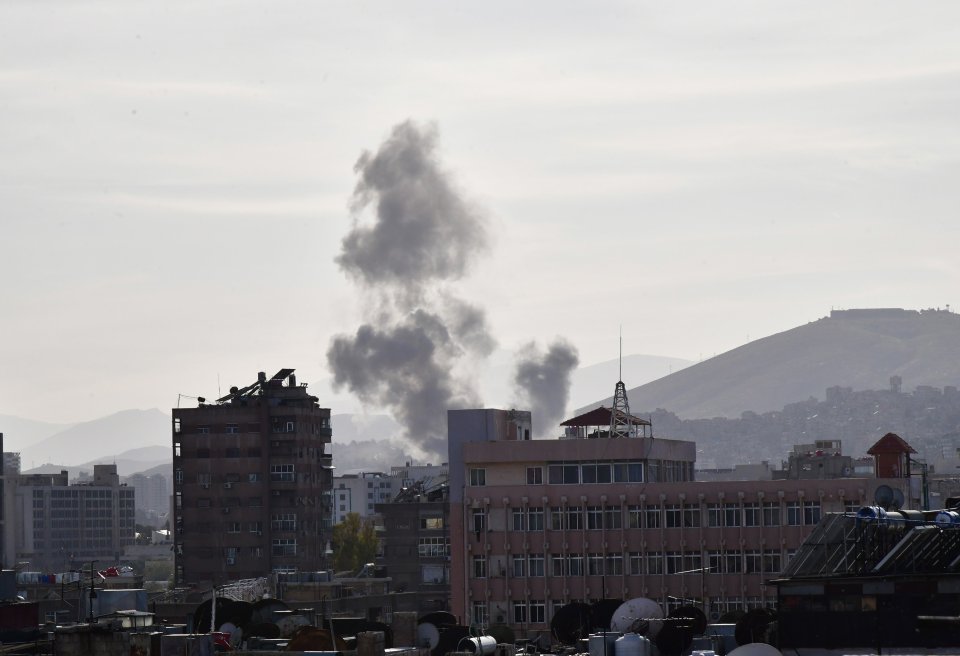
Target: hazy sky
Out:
[175,177]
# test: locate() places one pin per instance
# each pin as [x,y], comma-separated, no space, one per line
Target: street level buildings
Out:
[537,524]
[252,483]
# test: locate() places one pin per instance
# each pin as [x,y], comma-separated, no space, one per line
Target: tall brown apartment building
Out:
[252,483]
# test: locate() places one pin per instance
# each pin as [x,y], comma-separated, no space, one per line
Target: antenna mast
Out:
[621,422]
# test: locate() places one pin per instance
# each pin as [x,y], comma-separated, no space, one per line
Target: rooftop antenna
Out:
[621,422]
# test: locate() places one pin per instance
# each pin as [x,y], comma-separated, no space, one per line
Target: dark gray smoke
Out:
[407,356]
[542,381]
[424,231]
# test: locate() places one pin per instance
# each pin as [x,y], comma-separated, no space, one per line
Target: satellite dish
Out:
[640,615]
[883,496]
[755,649]
[571,623]
[693,619]
[753,626]
[898,500]
[601,613]
[427,635]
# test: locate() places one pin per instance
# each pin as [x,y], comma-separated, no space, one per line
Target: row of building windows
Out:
[535,611]
[277,425]
[713,515]
[746,561]
[586,473]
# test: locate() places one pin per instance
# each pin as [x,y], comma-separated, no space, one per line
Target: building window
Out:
[673,515]
[594,518]
[557,565]
[751,514]
[634,517]
[573,518]
[519,519]
[653,516]
[519,613]
[255,527]
[794,515]
[231,428]
[596,473]
[654,562]
[614,564]
[628,472]
[734,562]
[479,613]
[771,513]
[431,523]
[535,519]
[282,473]
[752,561]
[538,612]
[535,564]
[636,563]
[811,513]
[534,476]
[714,515]
[478,477]
[731,514]
[519,566]
[479,521]
[433,546]
[284,547]
[203,430]
[771,561]
[231,452]
[714,562]
[233,527]
[595,564]
[612,518]
[479,567]
[692,563]
[575,565]
[674,562]
[564,474]
[283,522]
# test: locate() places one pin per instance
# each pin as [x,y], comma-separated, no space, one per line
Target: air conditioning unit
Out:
[226,511]
[231,561]
[227,486]
[205,486]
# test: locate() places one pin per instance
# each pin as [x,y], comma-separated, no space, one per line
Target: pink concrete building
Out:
[536,524]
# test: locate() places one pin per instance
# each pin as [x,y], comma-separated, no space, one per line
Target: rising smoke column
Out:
[423,235]
[542,380]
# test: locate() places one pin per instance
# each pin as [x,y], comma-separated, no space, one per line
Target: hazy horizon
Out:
[179,178]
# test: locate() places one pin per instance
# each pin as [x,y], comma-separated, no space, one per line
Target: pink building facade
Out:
[536,524]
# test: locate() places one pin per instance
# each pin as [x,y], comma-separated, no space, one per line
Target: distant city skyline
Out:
[178,178]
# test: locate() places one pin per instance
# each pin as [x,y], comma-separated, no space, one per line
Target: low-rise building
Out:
[537,524]
[61,526]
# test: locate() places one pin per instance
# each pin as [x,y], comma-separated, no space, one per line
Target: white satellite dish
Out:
[755,649]
[640,615]
[428,635]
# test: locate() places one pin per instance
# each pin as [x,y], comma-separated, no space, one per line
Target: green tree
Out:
[354,543]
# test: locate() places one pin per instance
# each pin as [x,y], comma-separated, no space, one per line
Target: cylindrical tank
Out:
[632,644]
[481,645]
[947,518]
[871,512]
[603,643]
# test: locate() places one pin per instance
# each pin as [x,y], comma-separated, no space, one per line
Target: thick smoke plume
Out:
[424,231]
[408,356]
[542,381]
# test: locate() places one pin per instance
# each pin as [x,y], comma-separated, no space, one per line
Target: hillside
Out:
[18,433]
[861,349]
[130,429]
